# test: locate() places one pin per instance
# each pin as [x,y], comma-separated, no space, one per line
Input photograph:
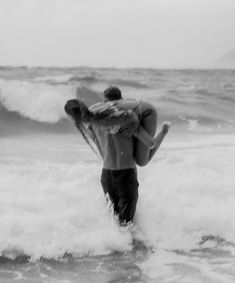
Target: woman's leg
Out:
[144,151]
[159,138]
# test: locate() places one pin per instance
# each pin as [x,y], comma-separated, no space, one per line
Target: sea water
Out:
[55,223]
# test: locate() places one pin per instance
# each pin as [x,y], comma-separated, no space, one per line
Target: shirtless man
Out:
[121,151]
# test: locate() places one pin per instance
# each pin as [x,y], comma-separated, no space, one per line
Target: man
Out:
[119,174]
[114,126]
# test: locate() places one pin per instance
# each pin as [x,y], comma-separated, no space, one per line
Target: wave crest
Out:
[36,101]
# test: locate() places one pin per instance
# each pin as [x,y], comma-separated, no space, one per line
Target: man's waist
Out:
[119,170]
[119,164]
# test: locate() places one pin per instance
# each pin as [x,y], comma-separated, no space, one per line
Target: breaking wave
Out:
[34,99]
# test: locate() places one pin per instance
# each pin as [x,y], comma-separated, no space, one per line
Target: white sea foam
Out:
[190,195]
[165,266]
[49,205]
[54,79]
[193,187]
[52,201]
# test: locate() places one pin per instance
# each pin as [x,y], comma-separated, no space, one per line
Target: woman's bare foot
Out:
[161,135]
[165,127]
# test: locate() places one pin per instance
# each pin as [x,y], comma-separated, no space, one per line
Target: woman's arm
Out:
[108,116]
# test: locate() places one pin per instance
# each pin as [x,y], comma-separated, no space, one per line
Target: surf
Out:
[51,201]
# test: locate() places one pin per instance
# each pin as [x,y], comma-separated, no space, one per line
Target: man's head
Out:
[112,93]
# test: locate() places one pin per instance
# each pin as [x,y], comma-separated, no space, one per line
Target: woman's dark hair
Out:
[80,114]
[76,108]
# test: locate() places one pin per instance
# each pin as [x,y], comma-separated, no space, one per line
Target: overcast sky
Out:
[117,33]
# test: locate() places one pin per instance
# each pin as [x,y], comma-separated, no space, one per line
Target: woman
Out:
[128,117]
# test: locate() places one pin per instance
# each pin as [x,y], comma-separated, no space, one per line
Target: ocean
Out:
[55,223]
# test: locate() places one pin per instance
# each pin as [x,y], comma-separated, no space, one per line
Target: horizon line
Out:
[114,67]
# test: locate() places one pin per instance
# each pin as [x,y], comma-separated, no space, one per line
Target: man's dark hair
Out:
[112,93]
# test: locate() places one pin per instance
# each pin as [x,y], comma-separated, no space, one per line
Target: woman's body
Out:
[128,117]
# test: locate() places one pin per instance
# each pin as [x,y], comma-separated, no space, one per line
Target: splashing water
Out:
[52,204]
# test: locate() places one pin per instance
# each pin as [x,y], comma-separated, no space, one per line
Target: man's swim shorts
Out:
[122,188]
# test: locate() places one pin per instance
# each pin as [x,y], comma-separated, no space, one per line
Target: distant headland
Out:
[226,60]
